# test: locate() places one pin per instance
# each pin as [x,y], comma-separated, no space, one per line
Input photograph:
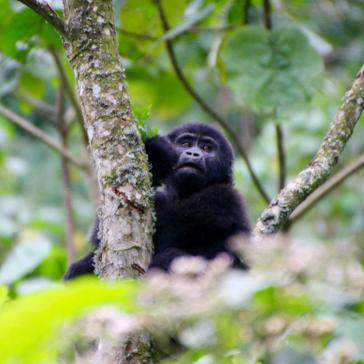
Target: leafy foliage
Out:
[37,317]
[270,70]
[27,30]
[292,310]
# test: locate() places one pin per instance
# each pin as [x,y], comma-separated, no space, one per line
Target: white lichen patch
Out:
[110,99]
[90,133]
[96,90]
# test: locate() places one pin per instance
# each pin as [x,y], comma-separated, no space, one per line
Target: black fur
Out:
[198,210]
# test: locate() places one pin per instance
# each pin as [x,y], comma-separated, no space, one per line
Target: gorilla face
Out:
[203,157]
[195,155]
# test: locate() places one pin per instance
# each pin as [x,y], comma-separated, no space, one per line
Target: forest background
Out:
[272,75]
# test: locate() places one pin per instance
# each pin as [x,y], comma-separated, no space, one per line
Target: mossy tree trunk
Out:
[116,148]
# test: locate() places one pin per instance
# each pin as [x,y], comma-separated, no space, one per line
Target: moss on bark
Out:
[117,150]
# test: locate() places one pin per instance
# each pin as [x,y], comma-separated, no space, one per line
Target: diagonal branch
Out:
[39,134]
[326,188]
[67,189]
[47,13]
[70,92]
[40,106]
[223,123]
[276,215]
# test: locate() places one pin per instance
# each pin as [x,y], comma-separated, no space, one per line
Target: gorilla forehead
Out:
[204,129]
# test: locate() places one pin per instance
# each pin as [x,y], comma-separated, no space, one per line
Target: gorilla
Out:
[197,208]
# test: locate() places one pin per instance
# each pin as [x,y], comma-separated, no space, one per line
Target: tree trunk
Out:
[118,153]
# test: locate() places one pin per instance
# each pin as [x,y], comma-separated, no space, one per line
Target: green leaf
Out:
[188,23]
[9,75]
[270,70]
[147,88]
[28,323]
[141,16]
[142,114]
[276,300]
[23,258]
[21,31]
[18,29]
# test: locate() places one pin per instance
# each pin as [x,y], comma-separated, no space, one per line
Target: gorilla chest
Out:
[185,227]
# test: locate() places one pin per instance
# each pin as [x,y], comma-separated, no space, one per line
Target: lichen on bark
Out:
[118,153]
[276,215]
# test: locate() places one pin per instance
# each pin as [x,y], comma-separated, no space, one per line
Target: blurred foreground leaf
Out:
[3,294]
[28,323]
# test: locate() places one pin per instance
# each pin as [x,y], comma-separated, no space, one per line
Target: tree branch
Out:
[223,123]
[73,112]
[246,7]
[67,195]
[151,38]
[281,156]
[40,106]
[141,36]
[70,92]
[316,173]
[326,188]
[47,13]
[267,13]
[39,134]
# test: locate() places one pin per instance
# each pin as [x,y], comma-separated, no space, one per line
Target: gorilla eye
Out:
[206,148]
[187,144]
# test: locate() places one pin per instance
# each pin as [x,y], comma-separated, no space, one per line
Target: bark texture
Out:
[277,213]
[116,148]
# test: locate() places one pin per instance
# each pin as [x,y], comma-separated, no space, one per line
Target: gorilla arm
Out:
[162,157]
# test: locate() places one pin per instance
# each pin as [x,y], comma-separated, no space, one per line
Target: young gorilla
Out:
[196,205]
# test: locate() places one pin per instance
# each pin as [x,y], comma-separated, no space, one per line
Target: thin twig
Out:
[206,107]
[267,13]
[281,156]
[326,188]
[39,134]
[47,13]
[90,178]
[70,93]
[246,8]
[67,194]
[141,36]
[211,29]
[42,107]
[152,38]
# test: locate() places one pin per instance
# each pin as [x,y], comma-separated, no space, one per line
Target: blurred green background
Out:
[294,76]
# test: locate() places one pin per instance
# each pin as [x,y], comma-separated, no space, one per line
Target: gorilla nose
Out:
[194,153]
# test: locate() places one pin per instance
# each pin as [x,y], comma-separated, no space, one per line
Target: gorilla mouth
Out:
[191,165]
